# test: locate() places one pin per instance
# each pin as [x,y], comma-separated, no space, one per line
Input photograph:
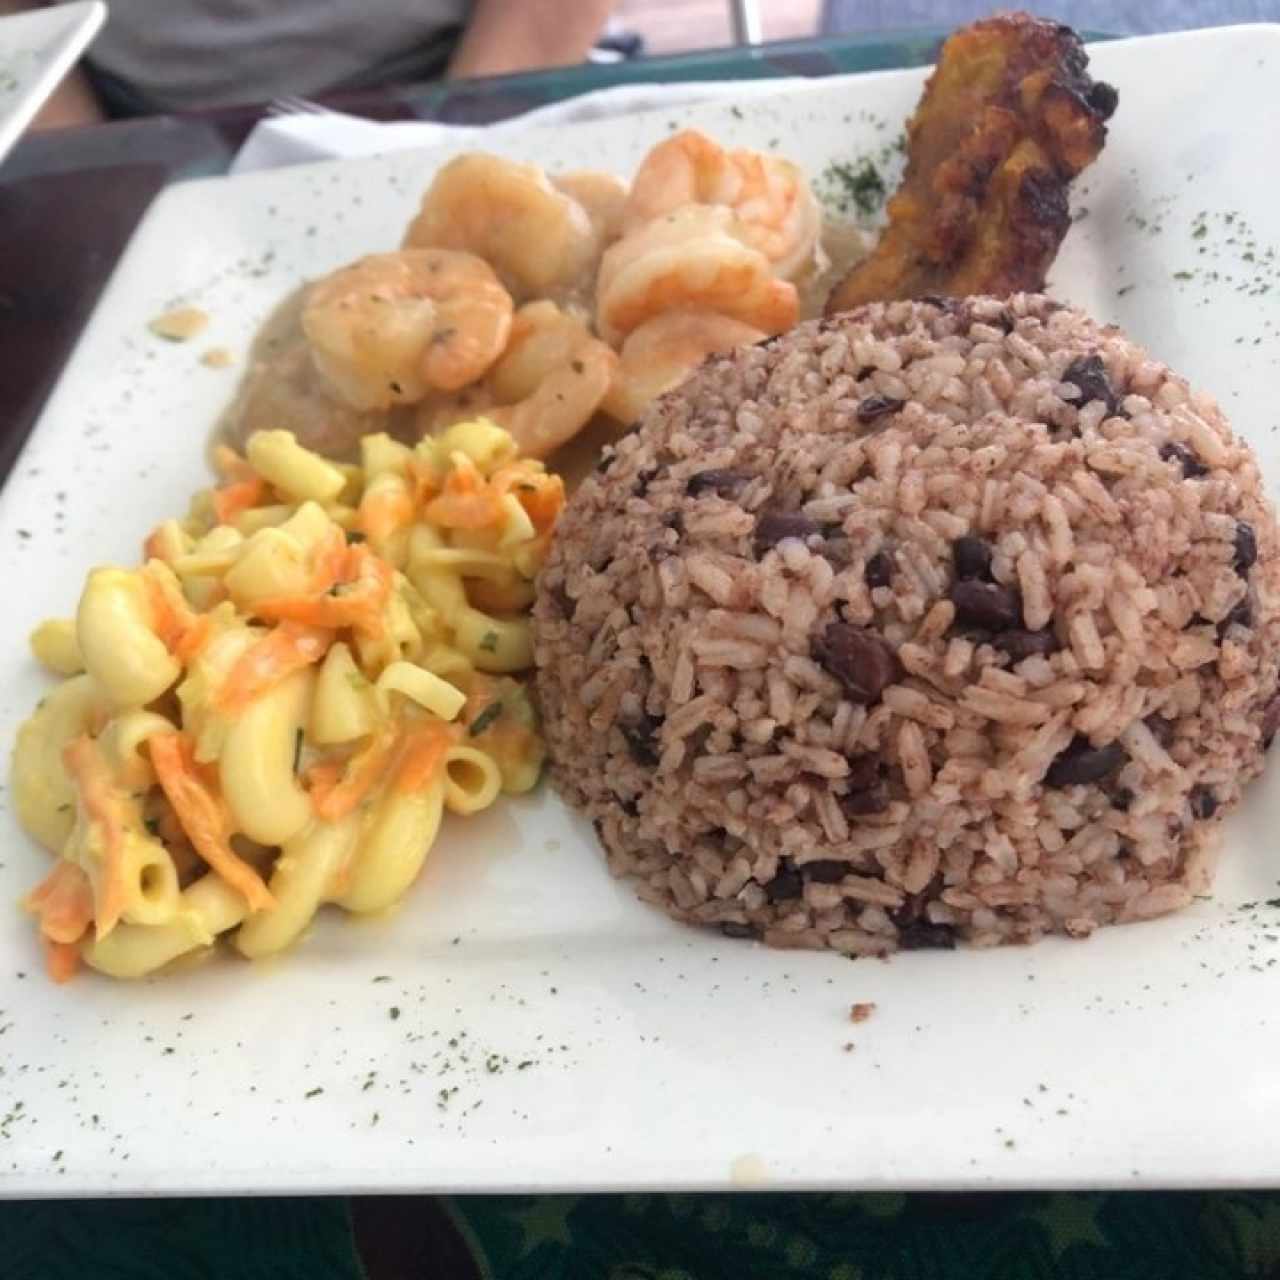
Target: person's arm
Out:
[73,102]
[520,35]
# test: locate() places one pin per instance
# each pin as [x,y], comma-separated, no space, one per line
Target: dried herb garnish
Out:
[485,719]
[860,185]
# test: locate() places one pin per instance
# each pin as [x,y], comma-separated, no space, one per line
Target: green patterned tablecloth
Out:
[1118,1236]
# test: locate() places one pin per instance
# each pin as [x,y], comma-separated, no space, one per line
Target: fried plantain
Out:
[1008,118]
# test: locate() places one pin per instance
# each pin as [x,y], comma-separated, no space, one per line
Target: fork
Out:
[290,106]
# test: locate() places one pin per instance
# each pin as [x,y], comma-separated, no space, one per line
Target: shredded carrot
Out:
[151,548]
[502,480]
[336,791]
[61,959]
[242,486]
[383,511]
[426,480]
[464,511]
[192,640]
[321,778]
[515,474]
[204,816]
[356,600]
[104,805]
[182,630]
[466,501]
[63,902]
[412,760]
[424,752]
[543,502]
[330,560]
[287,648]
[230,465]
[470,503]
[229,500]
[464,476]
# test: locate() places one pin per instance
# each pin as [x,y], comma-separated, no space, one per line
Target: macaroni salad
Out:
[274,711]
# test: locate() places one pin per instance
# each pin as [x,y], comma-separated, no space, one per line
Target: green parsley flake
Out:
[485,719]
[490,642]
[860,185]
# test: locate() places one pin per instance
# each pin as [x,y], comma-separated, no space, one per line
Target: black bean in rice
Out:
[792,714]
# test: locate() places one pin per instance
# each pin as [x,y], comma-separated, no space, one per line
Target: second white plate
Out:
[37,48]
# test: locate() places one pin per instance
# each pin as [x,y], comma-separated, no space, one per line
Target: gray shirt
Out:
[191,54]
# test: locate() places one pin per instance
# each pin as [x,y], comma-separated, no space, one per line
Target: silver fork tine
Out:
[292,106]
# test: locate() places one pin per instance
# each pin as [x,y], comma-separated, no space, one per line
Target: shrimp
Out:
[283,390]
[538,239]
[602,195]
[697,258]
[545,389]
[543,337]
[387,329]
[780,216]
[563,403]
[662,352]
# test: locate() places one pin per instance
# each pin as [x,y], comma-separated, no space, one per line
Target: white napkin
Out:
[297,139]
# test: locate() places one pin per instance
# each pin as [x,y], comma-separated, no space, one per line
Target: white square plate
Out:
[522,1022]
[37,48]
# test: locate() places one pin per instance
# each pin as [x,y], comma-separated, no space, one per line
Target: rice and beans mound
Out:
[930,621]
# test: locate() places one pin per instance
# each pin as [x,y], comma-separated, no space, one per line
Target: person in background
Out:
[193,55]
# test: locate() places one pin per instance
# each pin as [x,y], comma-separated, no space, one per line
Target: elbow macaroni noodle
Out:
[276,710]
